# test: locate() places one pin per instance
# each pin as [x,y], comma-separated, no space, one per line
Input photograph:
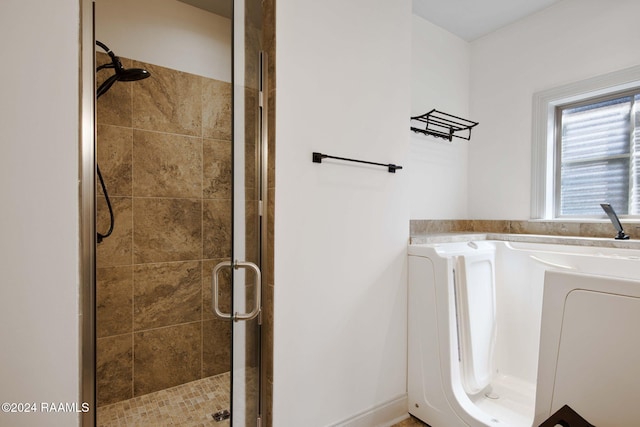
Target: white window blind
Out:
[598,149]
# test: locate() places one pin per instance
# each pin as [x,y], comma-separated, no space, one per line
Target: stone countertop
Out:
[527,238]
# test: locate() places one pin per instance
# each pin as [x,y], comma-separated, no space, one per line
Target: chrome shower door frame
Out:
[87,213]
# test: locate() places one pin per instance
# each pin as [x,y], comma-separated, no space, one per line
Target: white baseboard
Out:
[383,415]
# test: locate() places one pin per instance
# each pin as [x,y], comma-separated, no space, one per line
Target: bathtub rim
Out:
[600,242]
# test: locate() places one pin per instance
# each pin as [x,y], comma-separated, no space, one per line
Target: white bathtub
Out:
[566,323]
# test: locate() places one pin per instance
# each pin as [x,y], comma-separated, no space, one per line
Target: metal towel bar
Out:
[317,158]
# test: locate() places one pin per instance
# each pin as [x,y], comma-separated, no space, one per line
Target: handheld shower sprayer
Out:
[121,74]
[124,75]
[615,221]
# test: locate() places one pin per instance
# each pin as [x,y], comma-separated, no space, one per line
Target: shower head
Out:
[132,74]
[122,74]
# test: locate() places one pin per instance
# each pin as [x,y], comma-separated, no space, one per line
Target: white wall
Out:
[437,169]
[340,229]
[168,33]
[570,41]
[39,324]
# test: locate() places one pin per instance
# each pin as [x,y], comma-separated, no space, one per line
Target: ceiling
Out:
[219,7]
[472,19]
[468,19]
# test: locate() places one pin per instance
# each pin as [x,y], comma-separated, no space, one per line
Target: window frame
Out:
[543,156]
[631,93]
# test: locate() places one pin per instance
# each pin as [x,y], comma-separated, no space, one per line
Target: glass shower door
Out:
[249,153]
[249,198]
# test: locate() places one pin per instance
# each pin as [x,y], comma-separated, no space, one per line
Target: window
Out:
[598,153]
[586,148]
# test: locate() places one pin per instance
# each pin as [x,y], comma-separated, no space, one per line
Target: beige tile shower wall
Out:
[164,150]
[552,228]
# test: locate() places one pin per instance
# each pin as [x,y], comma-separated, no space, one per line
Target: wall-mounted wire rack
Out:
[442,125]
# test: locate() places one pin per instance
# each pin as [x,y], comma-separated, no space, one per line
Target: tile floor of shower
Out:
[188,405]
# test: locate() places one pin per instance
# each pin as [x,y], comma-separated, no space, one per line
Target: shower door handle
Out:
[215,285]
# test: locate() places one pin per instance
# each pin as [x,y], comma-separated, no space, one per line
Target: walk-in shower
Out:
[184,157]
